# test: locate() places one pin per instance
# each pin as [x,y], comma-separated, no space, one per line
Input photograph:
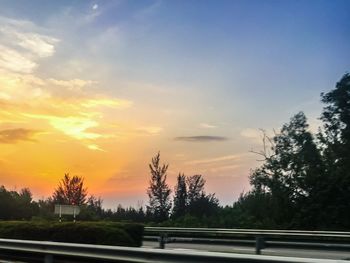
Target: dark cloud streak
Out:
[203,138]
[11,136]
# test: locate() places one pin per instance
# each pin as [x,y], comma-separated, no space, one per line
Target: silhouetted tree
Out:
[16,205]
[253,210]
[70,191]
[335,143]
[195,186]
[92,210]
[128,214]
[199,203]
[180,198]
[204,206]
[25,206]
[158,191]
[291,173]
[7,206]
[46,208]
[95,204]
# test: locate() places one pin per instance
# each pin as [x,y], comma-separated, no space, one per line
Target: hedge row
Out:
[118,234]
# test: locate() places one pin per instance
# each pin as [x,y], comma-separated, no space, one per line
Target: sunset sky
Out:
[96,88]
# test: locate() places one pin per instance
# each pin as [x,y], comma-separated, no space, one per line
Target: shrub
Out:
[104,233]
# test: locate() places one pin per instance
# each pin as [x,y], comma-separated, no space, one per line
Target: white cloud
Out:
[14,61]
[17,87]
[22,45]
[95,6]
[16,22]
[43,46]
[72,84]
[207,126]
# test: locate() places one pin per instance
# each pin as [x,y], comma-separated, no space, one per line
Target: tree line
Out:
[303,182]
[71,191]
[20,205]
[189,199]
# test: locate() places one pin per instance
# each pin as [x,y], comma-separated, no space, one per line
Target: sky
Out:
[97,88]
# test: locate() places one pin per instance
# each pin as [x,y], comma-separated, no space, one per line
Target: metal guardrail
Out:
[276,237]
[48,252]
[251,232]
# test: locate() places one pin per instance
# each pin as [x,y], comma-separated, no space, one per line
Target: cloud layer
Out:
[201,138]
[68,106]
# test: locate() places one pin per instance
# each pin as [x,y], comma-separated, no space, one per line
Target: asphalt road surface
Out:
[288,252]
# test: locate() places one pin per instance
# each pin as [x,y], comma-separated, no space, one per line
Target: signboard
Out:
[67,210]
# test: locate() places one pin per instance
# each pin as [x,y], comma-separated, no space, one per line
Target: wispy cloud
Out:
[43,46]
[207,126]
[20,87]
[81,119]
[216,159]
[15,135]
[63,104]
[150,130]
[113,103]
[95,147]
[148,10]
[202,138]
[23,45]
[225,168]
[12,60]
[75,127]
[69,106]
[73,84]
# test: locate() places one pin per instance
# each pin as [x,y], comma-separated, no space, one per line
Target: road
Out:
[288,252]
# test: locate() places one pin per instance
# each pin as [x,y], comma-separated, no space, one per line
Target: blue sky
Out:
[180,69]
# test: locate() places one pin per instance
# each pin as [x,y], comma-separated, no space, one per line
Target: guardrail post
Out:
[162,240]
[259,245]
[48,258]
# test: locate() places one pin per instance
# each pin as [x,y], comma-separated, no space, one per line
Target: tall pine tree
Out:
[180,198]
[158,191]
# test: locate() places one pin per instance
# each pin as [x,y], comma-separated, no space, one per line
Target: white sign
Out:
[67,210]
